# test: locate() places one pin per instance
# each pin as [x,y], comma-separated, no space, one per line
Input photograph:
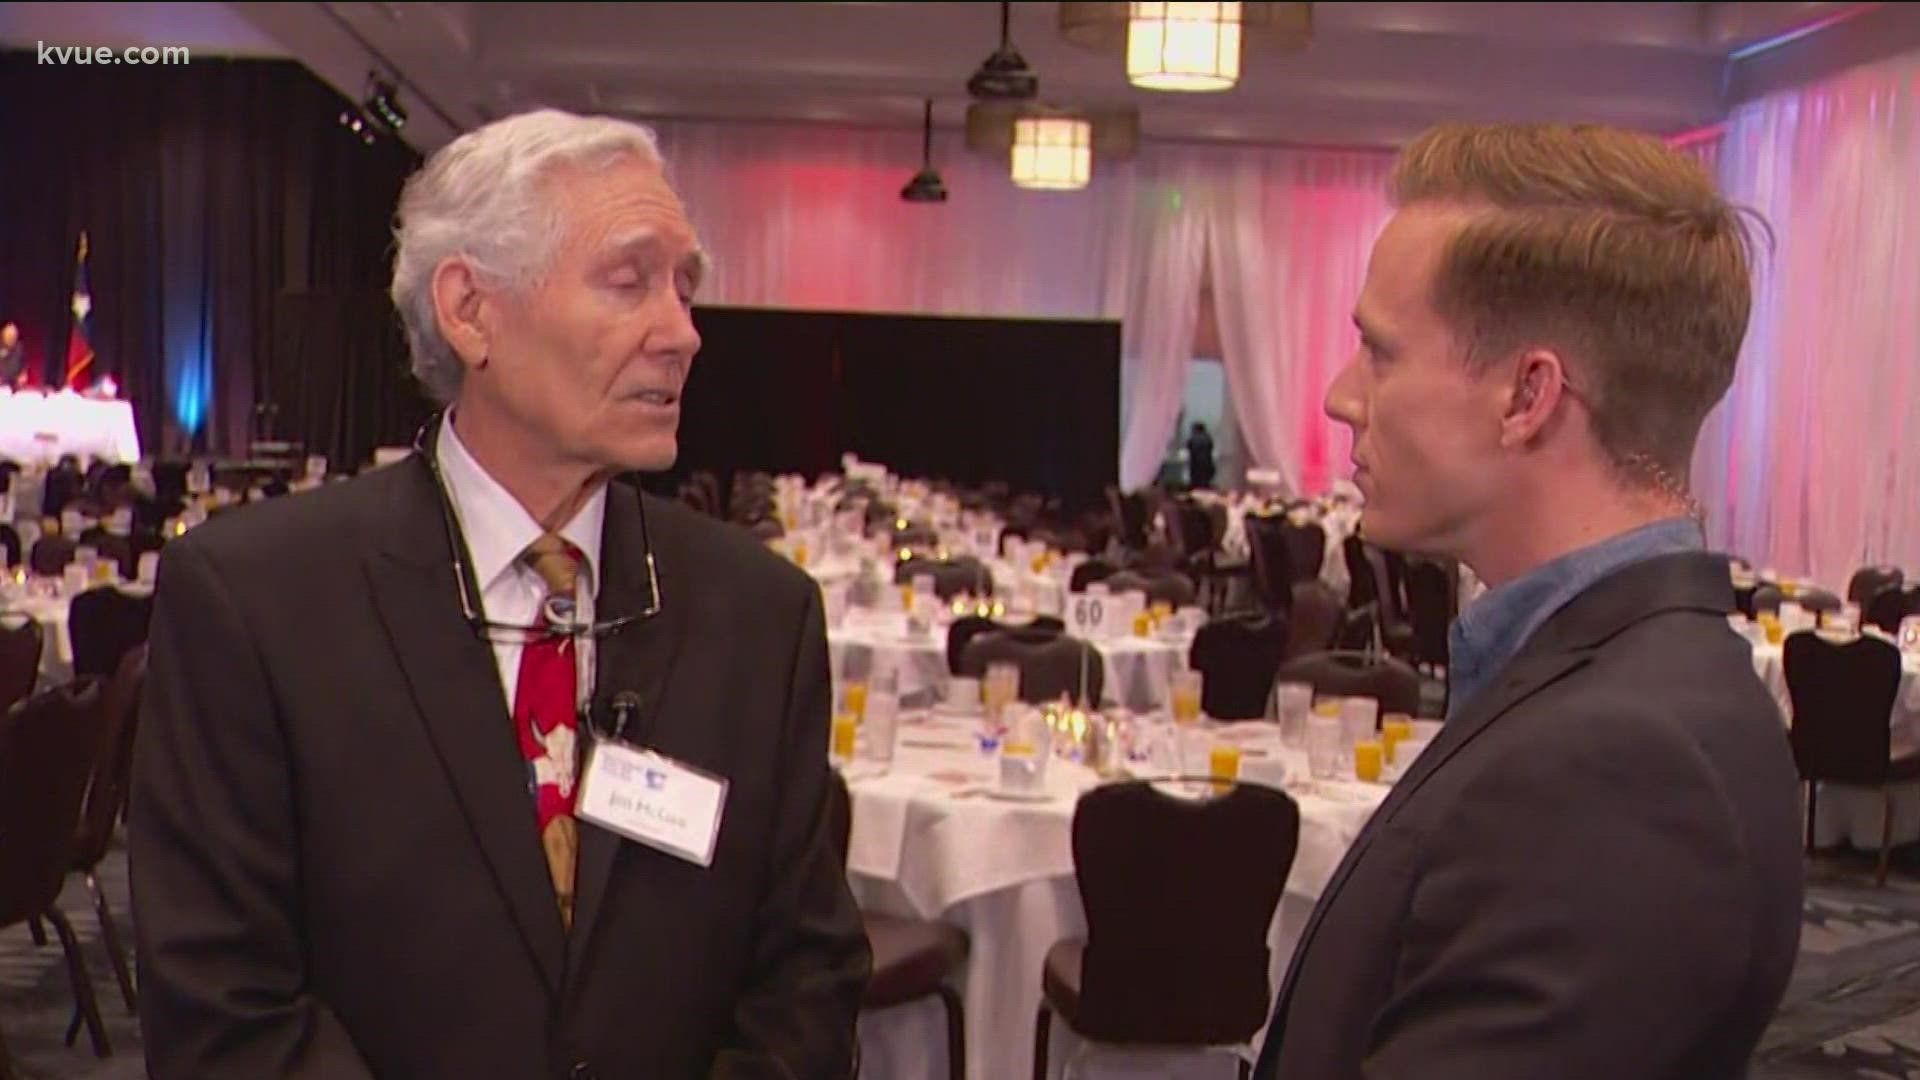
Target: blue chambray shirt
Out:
[1491,632]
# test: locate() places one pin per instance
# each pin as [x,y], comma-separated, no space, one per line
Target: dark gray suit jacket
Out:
[336,872]
[1593,873]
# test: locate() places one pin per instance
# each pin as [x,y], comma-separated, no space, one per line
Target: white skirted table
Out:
[932,839]
[37,426]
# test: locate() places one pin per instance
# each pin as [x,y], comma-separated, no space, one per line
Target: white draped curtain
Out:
[1811,464]
[804,216]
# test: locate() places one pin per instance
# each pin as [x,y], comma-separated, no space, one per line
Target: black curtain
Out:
[1033,402]
[239,238]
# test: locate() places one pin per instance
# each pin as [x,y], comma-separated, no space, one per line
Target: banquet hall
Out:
[1016,341]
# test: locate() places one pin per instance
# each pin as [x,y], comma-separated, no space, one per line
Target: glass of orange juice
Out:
[1185,696]
[1223,763]
[1395,727]
[854,698]
[846,728]
[1367,754]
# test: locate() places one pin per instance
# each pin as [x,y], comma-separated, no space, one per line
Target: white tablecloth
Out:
[1852,814]
[929,841]
[56,650]
[1137,670]
[41,427]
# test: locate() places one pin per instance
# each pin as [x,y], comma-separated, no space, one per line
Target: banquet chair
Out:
[1818,601]
[1168,587]
[1767,598]
[1148,972]
[11,552]
[105,624]
[1271,558]
[1357,631]
[21,640]
[1431,598]
[109,546]
[1307,544]
[50,555]
[1237,657]
[48,745]
[1315,618]
[1350,674]
[1089,572]
[913,959]
[951,577]
[1843,697]
[1052,664]
[1892,605]
[963,630]
[106,794]
[1870,581]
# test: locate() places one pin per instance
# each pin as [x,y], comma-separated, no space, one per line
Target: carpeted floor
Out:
[1852,1013]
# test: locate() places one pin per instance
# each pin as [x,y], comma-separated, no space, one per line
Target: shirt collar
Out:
[1493,630]
[497,528]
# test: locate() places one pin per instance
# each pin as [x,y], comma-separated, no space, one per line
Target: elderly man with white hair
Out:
[480,765]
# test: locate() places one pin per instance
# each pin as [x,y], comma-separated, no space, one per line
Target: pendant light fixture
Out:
[1052,151]
[1004,75]
[1183,46]
[1186,46]
[926,185]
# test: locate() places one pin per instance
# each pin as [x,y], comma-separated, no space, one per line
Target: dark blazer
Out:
[335,867]
[1593,872]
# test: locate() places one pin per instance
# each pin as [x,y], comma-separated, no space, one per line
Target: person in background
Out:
[13,357]
[1199,456]
[368,842]
[1594,870]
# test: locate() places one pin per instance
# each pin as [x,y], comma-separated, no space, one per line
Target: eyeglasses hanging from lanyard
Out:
[470,605]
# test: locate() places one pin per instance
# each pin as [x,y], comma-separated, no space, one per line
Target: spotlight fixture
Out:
[1004,76]
[380,111]
[383,103]
[926,185]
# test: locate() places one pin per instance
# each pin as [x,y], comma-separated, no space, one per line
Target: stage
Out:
[37,426]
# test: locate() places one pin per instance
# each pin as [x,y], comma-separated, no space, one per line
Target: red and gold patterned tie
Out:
[544,703]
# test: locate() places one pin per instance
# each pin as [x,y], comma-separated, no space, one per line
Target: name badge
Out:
[652,799]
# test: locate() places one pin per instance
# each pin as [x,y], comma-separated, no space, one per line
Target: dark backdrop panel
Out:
[207,191]
[1033,402]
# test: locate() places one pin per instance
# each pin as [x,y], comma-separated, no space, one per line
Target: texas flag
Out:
[80,338]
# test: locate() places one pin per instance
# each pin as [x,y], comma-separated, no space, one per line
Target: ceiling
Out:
[1373,74]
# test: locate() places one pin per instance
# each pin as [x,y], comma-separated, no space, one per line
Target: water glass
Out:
[881,724]
[1323,746]
[1292,702]
[1359,719]
[963,694]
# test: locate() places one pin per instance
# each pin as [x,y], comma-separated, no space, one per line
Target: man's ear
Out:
[459,309]
[1533,395]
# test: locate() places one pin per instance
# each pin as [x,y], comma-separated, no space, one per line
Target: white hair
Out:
[480,198]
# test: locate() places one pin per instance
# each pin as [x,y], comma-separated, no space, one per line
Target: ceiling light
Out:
[1052,152]
[1186,46]
[926,185]
[1183,46]
[1004,76]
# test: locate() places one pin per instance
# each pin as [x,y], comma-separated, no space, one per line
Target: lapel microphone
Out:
[626,704]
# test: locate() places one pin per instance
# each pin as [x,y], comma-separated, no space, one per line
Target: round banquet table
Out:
[932,840]
[868,643]
[1845,813]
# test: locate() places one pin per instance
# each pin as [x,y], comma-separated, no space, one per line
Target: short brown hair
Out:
[1607,244]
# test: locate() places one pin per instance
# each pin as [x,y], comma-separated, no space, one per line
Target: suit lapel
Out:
[1525,677]
[455,684]
[1564,643]
[640,659]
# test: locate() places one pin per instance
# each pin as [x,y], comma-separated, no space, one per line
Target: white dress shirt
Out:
[498,531]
